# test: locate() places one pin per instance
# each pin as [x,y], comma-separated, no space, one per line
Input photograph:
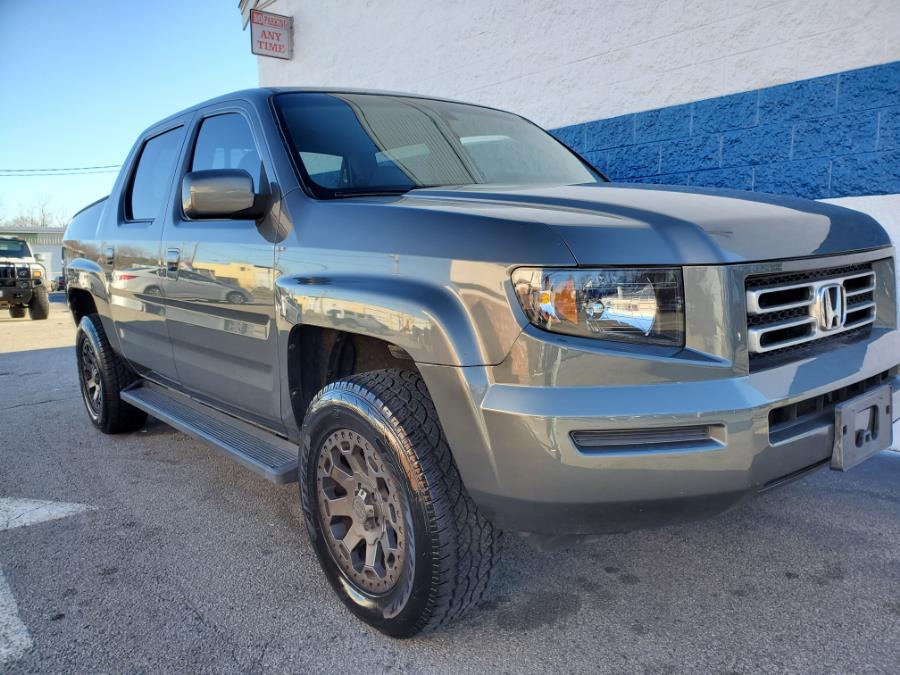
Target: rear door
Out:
[220,301]
[131,251]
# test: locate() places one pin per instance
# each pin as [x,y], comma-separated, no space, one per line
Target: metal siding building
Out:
[46,240]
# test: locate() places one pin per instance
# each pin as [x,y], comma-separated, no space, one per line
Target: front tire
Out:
[17,312]
[39,307]
[397,534]
[103,375]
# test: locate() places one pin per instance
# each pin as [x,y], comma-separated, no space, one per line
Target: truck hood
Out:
[613,224]
[18,261]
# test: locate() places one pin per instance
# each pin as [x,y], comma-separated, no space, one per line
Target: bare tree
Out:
[40,214]
[42,211]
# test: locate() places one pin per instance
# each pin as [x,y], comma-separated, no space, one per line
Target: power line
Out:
[63,168]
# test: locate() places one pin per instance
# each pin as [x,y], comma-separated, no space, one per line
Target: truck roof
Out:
[259,95]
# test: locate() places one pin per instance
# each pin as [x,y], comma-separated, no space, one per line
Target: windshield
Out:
[348,144]
[14,248]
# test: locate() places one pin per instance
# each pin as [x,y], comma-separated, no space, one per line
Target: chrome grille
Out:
[790,310]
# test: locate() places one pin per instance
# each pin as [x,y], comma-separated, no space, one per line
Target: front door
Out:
[132,249]
[219,286]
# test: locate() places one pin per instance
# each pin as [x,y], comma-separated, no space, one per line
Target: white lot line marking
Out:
[21,512]
[14,637]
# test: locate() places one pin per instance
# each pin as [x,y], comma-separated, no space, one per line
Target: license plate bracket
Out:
[862,427]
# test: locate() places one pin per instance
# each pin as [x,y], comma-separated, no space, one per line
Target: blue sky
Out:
[79,79]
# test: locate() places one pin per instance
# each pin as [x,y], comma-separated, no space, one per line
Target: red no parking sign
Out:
[271,34]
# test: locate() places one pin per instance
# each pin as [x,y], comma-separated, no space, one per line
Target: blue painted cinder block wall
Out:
[831,136]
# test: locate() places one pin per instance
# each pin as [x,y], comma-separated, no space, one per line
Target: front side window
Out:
[226,142]
[348,144]
[153,175]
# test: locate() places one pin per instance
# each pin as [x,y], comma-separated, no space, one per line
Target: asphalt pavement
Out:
[156,553]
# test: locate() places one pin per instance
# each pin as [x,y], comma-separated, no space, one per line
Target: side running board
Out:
[274,457]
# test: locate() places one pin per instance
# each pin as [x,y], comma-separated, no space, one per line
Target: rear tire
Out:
[17,312]
[375,439]
[39,307]
[103,375]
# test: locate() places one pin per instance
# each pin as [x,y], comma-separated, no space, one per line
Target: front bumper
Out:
[15,296]
[514,447]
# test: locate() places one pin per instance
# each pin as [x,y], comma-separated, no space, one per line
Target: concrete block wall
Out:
[831,136]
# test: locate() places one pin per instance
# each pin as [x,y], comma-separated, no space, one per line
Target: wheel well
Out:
[81,303]
[318,356]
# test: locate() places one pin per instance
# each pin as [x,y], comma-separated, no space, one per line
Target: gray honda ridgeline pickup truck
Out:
[464,328]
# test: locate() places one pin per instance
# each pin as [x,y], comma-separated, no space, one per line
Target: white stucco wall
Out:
[883,208]
[886,210]
[576,60]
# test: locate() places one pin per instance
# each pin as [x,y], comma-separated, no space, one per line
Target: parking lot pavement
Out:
[167,556]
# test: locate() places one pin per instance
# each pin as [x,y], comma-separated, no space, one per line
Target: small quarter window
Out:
[226,142]
[153,176]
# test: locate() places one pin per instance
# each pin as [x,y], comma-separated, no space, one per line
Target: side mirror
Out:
[40,257]
[220,193]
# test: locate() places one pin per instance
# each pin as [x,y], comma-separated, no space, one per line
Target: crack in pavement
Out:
[30,403]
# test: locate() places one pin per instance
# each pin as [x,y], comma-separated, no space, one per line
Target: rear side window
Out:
[226,142]
[153,175]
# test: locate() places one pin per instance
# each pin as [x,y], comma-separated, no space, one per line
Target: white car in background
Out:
[194,284]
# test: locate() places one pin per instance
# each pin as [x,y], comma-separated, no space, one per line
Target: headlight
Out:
[22,272]
[643,305]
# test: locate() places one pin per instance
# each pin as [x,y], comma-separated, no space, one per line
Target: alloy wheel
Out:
[91,386]
[364,514]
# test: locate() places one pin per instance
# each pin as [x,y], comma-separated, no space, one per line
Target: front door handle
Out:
[110,255]
[173,256]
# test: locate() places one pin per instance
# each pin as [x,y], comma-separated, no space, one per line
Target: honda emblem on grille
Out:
[832,306]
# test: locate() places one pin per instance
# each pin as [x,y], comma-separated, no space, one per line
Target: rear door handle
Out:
[173,256]
[110,255]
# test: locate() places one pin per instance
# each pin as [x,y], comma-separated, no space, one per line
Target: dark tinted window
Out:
[226,142]
[153,175]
